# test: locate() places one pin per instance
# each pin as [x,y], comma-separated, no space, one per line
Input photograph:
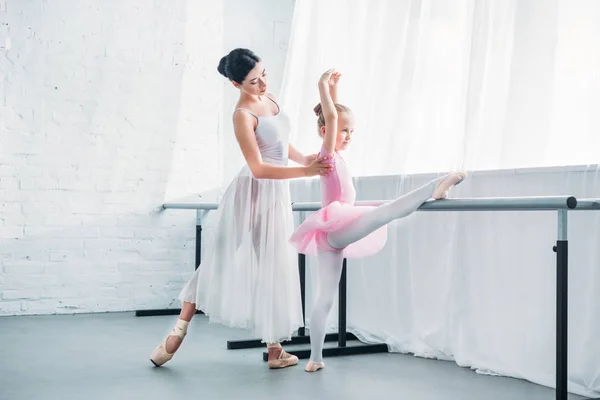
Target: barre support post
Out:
[562,305]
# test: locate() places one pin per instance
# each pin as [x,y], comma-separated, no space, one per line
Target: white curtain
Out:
[508,90]
[436,84]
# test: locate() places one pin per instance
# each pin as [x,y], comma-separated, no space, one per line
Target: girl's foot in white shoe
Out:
[314,366]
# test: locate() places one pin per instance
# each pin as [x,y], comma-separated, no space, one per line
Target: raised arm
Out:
[333,81]
[329,112]
[243,125]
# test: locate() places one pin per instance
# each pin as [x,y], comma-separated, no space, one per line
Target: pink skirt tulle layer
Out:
[312,233]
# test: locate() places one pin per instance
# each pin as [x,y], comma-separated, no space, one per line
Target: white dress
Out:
[249,276]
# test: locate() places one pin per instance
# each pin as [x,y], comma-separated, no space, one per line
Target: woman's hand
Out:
[318,167]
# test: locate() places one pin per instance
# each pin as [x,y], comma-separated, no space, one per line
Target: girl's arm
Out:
[333,86]
[329,112]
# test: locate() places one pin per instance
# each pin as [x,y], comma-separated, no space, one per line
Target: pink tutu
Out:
[312,233]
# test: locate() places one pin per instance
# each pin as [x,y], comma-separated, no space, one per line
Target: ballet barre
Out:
[561,204]
[202,208]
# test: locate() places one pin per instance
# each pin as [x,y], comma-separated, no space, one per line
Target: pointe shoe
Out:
[160,355]
[314,366]
[443,188]
[284,360]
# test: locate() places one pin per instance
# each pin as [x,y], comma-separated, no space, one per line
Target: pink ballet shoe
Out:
[160,355]
[284,360]
[314,366]
[443,188]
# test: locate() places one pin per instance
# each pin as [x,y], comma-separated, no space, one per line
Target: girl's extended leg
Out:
[330,269]
[386,213]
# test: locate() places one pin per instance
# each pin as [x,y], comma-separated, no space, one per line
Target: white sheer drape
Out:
[484,86]
[438,85]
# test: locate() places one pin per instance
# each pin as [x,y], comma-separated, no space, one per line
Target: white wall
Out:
[102,105]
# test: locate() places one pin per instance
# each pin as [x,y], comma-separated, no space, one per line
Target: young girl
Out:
[340,229]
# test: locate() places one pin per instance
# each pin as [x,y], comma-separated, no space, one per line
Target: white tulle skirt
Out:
[248,277]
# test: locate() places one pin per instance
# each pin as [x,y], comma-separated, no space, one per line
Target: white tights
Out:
[330,263]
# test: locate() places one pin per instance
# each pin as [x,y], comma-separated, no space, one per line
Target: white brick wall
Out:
[106,109]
